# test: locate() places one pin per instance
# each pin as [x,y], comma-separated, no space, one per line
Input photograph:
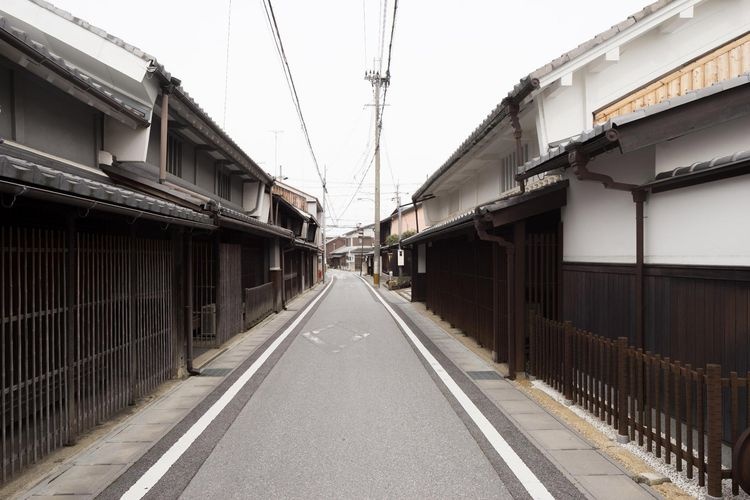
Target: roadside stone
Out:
[651,478]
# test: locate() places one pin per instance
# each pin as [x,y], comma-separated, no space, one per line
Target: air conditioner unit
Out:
[208,320]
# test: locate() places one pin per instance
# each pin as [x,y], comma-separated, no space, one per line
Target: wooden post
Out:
[519,284]
[622,391]
[71,334]
[568,363]
[714,428]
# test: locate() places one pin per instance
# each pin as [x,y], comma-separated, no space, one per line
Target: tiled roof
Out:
[164,74]
[527,83]
[83,80]
[33,174]
[618,121]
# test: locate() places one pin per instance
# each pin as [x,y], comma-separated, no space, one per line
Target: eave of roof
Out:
[606,135]
[527,85]
[24,172]
[81,80]
[721,167]
[167,78]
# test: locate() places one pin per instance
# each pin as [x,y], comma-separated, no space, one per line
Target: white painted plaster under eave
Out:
[76,44]
[725,139]
[655,54]
[599,223]
[703,225]
[622,38]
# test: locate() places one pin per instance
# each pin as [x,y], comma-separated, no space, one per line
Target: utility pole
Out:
[398,204]
[377,82]
[275,152]
[325,222]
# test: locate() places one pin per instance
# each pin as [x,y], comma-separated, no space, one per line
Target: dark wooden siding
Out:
[459,285]
[696,315]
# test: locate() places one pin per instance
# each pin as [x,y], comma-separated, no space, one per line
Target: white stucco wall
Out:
[724,139]
[599,223]
[700,225]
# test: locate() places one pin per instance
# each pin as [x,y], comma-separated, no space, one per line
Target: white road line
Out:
[157,471]
[527,478]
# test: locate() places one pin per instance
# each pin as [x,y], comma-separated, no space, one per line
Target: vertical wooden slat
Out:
[667,412]
[688,381]
[657,403]
[734,420]
[700,408]
[639,395]
[714,424]
[647,370]
[677,415]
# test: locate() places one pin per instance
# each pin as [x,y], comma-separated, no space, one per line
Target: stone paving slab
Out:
[122,454]
[84,479]
[585,462]
[612,487]
[539,421]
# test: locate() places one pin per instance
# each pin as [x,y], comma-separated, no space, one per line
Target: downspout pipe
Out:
[639,197]
[481,230]
[513,109]
[578,161]
[189,305]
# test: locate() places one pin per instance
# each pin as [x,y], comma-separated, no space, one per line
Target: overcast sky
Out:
[452,62]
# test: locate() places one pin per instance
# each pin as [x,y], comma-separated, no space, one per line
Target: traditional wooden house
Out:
[301,213]
[131,226]
[347,250]
[551,204]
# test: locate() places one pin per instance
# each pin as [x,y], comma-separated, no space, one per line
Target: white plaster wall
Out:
[599,223]
[467,195]
[655,53]
[721,140]
[700,225]
[564,112]
[124,142]
[488,184]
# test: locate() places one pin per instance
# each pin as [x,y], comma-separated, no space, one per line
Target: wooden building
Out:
[551,204]
[131,228]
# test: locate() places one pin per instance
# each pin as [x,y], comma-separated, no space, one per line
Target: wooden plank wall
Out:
[724,63]
[696,315]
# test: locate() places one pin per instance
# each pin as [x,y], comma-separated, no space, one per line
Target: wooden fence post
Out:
[622,391]
[568,364]
[533,347]
[714,429]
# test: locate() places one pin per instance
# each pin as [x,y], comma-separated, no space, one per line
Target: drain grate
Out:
[485,375]
[215,372]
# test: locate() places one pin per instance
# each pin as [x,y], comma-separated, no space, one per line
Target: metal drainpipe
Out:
[165,91]
[513,109]
[189,305]
[578,161]
[639,197]
[510,262]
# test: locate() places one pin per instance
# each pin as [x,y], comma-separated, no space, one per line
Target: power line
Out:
[226,67]
[290,81]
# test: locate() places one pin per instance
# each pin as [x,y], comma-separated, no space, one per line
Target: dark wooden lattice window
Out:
[223,183]
[174,156]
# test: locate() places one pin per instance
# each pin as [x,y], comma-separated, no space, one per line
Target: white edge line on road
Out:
[157,471]
[527,478]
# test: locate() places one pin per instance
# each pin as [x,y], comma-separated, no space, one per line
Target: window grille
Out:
[223,184]
[509,167]
[174,156]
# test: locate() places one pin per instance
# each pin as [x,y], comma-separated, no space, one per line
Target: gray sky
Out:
[452,62]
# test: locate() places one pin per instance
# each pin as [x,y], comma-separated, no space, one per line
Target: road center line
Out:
[157,471]
[527,478]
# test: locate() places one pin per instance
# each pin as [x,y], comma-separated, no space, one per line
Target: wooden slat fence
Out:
[85,328]
[676,411]
[258,304]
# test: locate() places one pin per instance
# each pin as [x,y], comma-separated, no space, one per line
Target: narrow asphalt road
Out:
[347,409]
